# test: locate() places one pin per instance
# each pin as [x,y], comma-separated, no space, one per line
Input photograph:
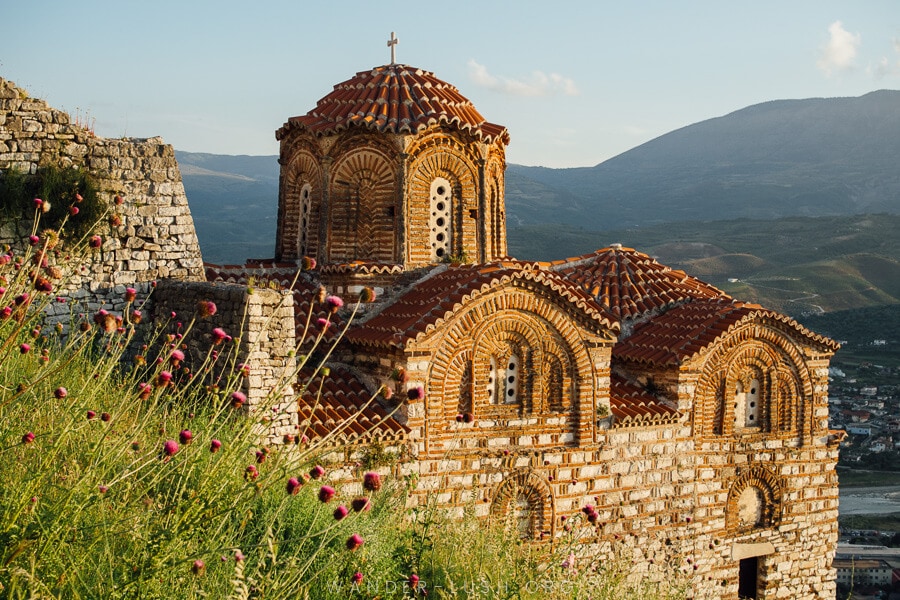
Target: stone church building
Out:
[694,424]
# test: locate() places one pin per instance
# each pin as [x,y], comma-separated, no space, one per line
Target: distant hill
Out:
[814,157]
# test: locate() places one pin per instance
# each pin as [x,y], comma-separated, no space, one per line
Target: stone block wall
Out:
[260,323]
[149,236]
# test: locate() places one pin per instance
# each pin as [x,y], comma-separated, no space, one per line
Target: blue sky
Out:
[576,83]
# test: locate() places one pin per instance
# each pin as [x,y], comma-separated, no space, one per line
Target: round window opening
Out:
[440,191]
[440,206]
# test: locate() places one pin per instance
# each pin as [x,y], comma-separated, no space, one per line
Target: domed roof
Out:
[395,99]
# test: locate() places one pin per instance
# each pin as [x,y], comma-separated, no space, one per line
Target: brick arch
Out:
[496,217]
[302,169]
[527,487]
[443,157]
[769,491]
[363,206]
[458,372]
[503,334]
[777,360]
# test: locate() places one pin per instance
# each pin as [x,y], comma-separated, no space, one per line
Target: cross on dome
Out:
[392,43]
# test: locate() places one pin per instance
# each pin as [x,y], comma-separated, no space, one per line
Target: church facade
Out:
[684,429]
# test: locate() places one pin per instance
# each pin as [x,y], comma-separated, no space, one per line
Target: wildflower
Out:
[367,295]
[323,323]
[163,379]
[372,481]
[176,357]
[61,392]
[340,512]
[28,438]
[293,486]
[238,399]
[118,200]
[244,369]
[145,389]
[416,393]
[91,414]
[321,292]
[135,446]
[357,578]
[24,348]
[102,489]
[78,197]
[326,493]
[316,472]
[170,447]
[6,312]
[198,568]
[387,392]
[360,504]
[130,294]
[115,220]
[105,417]
[73,210]
[22,299]
[214,446]
[251,472]
[38,202]
[95,242]
[413,581]
[206,308]
[238,556]
[260,456]
[34,240]
[468,418]
[308,263]
[42,284]
[354,541]
[185,436]
[334,303]
[218,335]
[400,375]
[136,316]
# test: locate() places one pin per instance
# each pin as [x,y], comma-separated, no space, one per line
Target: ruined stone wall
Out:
[260,326]
[149,236]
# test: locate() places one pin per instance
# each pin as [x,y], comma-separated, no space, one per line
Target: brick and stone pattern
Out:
[260,323]
[154,237]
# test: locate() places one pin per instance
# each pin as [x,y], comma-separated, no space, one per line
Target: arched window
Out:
[303,233]
[439,222]
[746,403]
[465,391]
[511,380]
[492,383]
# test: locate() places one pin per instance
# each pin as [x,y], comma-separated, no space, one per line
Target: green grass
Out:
[850,478]
[888,522]
[97,502]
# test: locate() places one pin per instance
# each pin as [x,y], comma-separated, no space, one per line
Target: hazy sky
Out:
[574,82]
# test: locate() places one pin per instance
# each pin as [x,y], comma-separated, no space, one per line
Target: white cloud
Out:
[840,51]
[885,66]
[539,84]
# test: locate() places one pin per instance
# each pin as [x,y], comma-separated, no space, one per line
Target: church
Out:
[687,429]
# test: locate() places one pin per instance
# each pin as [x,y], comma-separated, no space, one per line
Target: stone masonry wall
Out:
[260,323]
[155,237]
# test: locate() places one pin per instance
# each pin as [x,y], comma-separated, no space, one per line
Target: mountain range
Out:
[777,175]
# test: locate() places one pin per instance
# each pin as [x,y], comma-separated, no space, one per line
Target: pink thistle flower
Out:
[238,399]
[6,312]
[387,392]
[340,512]
[34,240]
[118,200]
[198,568]
[317,472]
[95,242]
[372,481]
[323,323]
[176,357]
[73,210]
[468,418]
[214,446]
[326,493]
[413,581]
[22,299]
[130,294]
[24,348]
[163,379]
[238,556]
[357,578]
[251,472]
[360,504]
[170,447]
[218,335]
[144,390]
[38,202]
[416,393]
[91,414]
[260,457]
[135,446]
[334,303]
[293,486]
[78,197]
[367,295]
[105,417]
[244,370]
[28,437]
[354,541]
[185,436]
[206,308]
[60,392]
[102,489]
[136,316]
[307,263]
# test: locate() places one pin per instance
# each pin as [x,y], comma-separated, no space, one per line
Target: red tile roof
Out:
[631,284]
[632,406]
[338,409]
[683,331]
[395,99]
[434,298]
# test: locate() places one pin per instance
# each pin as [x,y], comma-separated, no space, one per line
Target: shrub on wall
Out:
[69,196]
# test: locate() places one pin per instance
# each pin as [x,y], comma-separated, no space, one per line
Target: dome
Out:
[395,99]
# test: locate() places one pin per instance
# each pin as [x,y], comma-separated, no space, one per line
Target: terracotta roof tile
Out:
[396,99]
[683,331]
[631,284]
[632,406]
[432,299]
[338,409]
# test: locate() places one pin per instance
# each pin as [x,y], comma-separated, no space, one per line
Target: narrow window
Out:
[492,382]
[511,381]
[439,222]
[303,237]
[752,400]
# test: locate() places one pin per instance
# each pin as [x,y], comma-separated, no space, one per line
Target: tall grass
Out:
[122,475]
